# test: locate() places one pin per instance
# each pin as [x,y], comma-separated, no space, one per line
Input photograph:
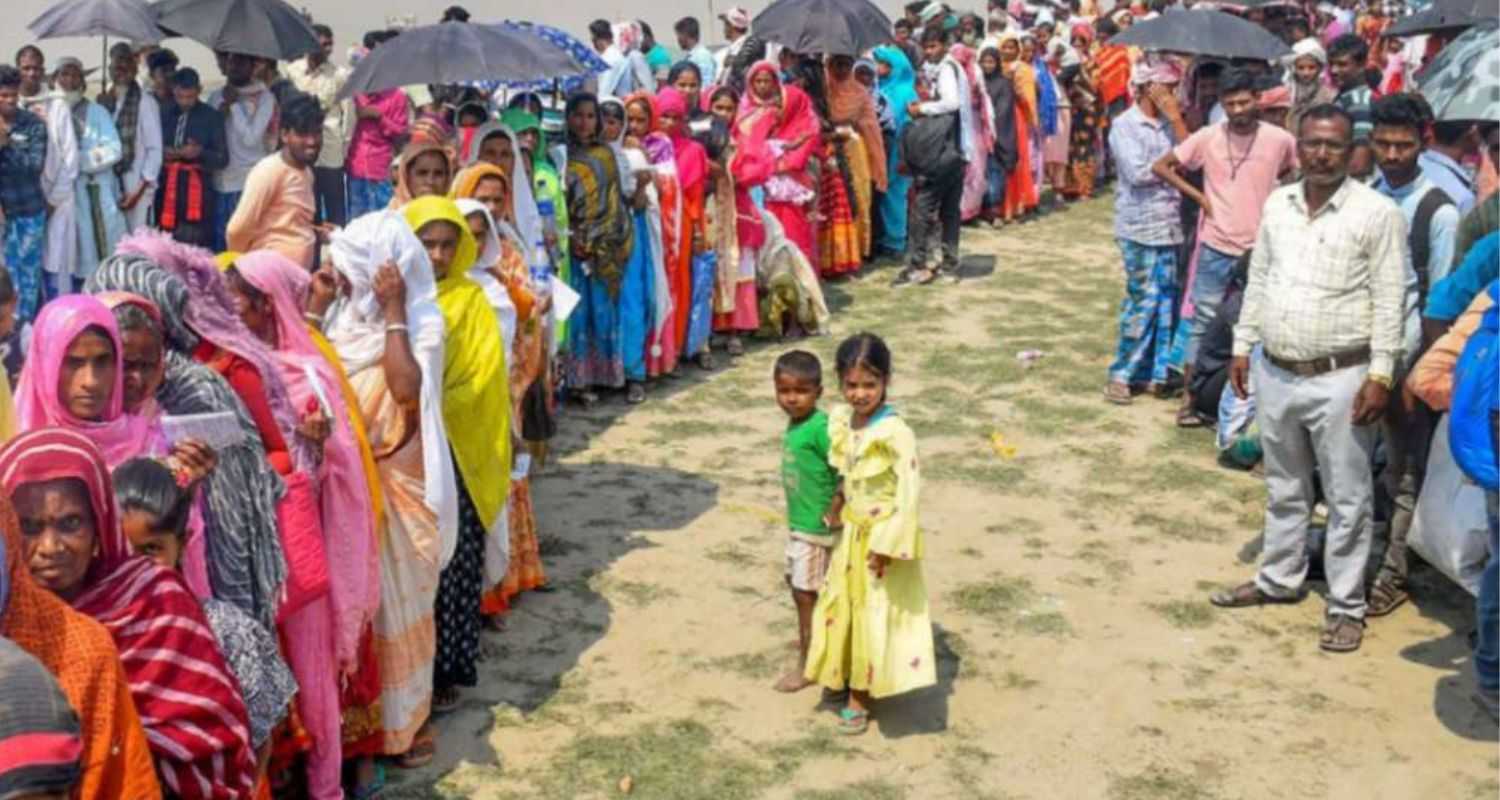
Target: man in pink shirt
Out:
[1242,160]
[276,210]
[381,122]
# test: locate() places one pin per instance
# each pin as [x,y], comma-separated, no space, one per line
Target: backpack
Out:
[1475,415]
[1419,239]
[932,146]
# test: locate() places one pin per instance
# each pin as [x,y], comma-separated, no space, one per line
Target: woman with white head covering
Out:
[1305,79]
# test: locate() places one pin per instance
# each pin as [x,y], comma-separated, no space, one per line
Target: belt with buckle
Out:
[1324,364]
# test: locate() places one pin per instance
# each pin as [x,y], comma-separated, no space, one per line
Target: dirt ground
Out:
[1069,565]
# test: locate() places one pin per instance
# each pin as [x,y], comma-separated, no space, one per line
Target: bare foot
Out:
[792,682]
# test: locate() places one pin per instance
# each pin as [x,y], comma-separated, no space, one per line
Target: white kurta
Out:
[97,191]
[59,175]
[146,166]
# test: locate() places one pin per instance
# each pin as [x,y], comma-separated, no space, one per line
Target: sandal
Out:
[586,400]
[1342,634]
[445,700]
[852,722]
[1188,418]
[705,361]
[635,393]
[1385,597]
[1248,595]
[423,749]
[735,348]
[1117,393]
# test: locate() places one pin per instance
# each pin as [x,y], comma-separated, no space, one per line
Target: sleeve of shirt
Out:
[61,169]
[947,100]
[215,155]
[1442,234]
[248,385]
[1247,331]
[1450,296]
[1387,257]
[148,156]
[1432,377]
[393,118]
[1190,152]
[1131,156]
[643,77]
[254,201]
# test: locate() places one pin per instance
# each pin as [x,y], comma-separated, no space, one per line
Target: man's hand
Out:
[1239,376]
[229,96]
[1165,102]
[1370,403]
[1202,200]
[322,291]
[190,151]
[390,290]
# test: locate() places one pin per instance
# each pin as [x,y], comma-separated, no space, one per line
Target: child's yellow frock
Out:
[874,634]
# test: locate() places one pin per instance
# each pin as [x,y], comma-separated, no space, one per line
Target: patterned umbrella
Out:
[589,62]
[1463,81]
[1445,15]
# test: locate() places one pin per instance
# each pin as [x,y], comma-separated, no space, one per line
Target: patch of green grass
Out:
[754,666]
[635,593]
[998,599]
[677,429]
[819,742]
[1045,623]
[1224,652]
[1158,783]
[1185,614]
[733,555]
[677,760]
[1185,530]
[1015,680]
[556,546]
[867,789]
[1046,417]
[983,469]
[1013,526]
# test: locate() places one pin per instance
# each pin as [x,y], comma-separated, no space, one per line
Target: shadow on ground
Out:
[589,516]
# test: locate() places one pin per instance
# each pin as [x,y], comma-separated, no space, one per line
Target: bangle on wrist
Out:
[396,327]
[316,319]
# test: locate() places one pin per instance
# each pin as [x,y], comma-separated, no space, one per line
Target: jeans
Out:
[330,197]
[938,204]
[994,182]
[1210,283]
[366,196]
[228,201]
[1487,607]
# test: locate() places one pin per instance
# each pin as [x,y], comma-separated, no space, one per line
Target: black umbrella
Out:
[834,27]
[460,52]
[1206,33]
[264,28]
[1445,15]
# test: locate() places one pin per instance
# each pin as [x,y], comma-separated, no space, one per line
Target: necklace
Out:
[1234,167]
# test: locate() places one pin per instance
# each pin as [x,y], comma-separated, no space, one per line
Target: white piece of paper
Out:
[564,300]
[522,467]
[219,429]
[317,387]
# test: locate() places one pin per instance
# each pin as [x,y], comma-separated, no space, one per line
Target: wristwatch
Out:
[1384,380]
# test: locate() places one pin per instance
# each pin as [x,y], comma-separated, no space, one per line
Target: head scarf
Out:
[1001,91]
[849,103]
[601,227]
[356,329]
[979,99]
[409,156]
[489,257]
[524,215]
[1276,97]
[120,435]
[209,313]
[190,704]
[344,493]
[1309,48]
[931,12]
[692,160]
[116,761]
[1046,93]
[521,121]
[788,117]
[476,384]
[245,565]
[900,86]
[40,741]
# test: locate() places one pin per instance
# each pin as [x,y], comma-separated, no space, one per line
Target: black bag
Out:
[930,146]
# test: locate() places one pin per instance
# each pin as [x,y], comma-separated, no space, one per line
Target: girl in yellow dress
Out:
[871,629]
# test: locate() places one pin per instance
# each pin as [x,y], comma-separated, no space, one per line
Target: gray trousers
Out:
[1306,425]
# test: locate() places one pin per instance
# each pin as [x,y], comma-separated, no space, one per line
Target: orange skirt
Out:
[839,243]
[525,570]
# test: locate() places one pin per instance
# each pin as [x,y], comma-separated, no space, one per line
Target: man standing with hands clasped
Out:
[1325,301]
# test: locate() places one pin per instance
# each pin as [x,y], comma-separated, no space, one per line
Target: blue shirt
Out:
[704,59]
[1441,232]
[1450,176]
[1146,207]
[1451,296]
[21,162]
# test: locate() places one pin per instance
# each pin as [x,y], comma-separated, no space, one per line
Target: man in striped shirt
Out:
[1325,301]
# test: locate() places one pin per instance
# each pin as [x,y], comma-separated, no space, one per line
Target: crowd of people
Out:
[284,362]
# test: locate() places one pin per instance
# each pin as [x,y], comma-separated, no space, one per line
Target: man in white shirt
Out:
[736,32]
[137,118]
[248,108]
[1324,303]
[689,38]
[60,173]
[316,75]
[939,195]
[628,71]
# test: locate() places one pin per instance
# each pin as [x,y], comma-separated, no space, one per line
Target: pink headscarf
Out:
[119,436]
[348,510]
[211,316]
[692,159]
[788,118]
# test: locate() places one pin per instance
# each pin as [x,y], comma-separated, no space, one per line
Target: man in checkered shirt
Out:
[1325,303]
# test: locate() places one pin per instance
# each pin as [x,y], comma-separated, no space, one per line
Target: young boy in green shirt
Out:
[812,494]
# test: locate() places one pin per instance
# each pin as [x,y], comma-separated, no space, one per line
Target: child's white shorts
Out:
[806,563]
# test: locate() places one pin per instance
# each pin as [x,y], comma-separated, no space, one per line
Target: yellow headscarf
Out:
[476,380]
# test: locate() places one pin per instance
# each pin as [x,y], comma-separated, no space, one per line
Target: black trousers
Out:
[938,208]
[330,193]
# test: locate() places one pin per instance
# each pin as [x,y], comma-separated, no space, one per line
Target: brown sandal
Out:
[1248,595]
[1341,634]
[1117,393]
[1385,597]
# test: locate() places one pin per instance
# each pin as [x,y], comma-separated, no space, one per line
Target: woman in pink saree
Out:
[775,135]
[983,133]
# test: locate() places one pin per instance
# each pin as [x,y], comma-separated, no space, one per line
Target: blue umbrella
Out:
[589,63]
